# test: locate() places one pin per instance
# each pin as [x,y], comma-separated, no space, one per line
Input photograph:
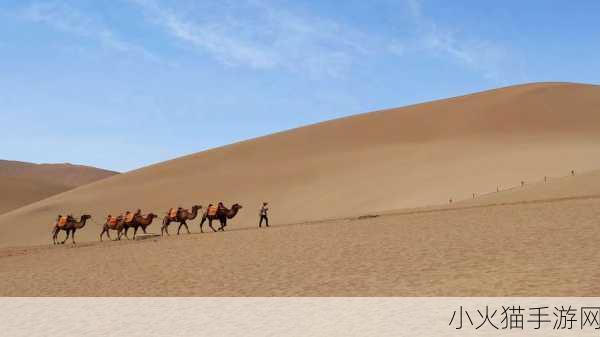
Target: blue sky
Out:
[126,83]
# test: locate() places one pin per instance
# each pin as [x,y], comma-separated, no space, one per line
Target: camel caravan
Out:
[136,220]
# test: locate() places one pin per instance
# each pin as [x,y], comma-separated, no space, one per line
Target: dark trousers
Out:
[263,217]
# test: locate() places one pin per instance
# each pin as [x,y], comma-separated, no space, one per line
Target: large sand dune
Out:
[407,157]
[537,241]
[23,183]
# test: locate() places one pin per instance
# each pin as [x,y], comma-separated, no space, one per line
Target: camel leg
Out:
[108,234]
[125,230]
[179,227]
[102,233]
[68,232]
[202,223]
[186,227]
[134,232]
[73,236]
[163,229]
[54,235]
[55,238]
[144,229]
[223,224]
[210,225]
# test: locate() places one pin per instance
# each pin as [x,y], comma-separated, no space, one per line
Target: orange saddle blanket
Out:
[173,213]
[129,217]
[212,210]
[112,220]
[62,221]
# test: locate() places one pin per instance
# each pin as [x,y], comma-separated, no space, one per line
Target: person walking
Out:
[263,215]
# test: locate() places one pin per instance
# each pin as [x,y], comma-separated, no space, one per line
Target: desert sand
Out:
[386,160]
[23,183]
[540,240]
[359,207]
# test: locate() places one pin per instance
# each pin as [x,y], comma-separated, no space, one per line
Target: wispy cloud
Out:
[490,58]
[264,37]
[67,19]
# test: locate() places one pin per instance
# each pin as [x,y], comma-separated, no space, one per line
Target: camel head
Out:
[152,216]
[234,210]
[196,207]
[83,221]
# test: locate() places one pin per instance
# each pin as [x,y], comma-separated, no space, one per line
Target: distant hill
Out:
[23,183]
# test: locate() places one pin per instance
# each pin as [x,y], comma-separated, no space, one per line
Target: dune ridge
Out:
[413,156]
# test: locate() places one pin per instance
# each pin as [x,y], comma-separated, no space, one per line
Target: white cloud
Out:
[484,56]
[65,18]
[264,37]
[261,35]
[59,16]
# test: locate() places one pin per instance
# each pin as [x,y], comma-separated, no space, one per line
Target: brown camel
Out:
[182,216]
[222,214]
[129,220]
[139,221]
[117,225]
[70,227]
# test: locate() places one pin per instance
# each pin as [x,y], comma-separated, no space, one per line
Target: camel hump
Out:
[129,217]
[63,220]
[112,220]
[212,210]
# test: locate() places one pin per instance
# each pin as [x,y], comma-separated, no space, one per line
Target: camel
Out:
[222,215]
[139,221]
[129,220]
[70,227]
[183,215]
[116,226]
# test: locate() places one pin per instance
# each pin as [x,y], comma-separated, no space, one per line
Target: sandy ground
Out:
[536,240]
[542,248]
[392,159]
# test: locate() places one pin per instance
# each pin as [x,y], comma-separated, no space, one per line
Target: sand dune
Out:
[407,157]
[525,247]
[23,183]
